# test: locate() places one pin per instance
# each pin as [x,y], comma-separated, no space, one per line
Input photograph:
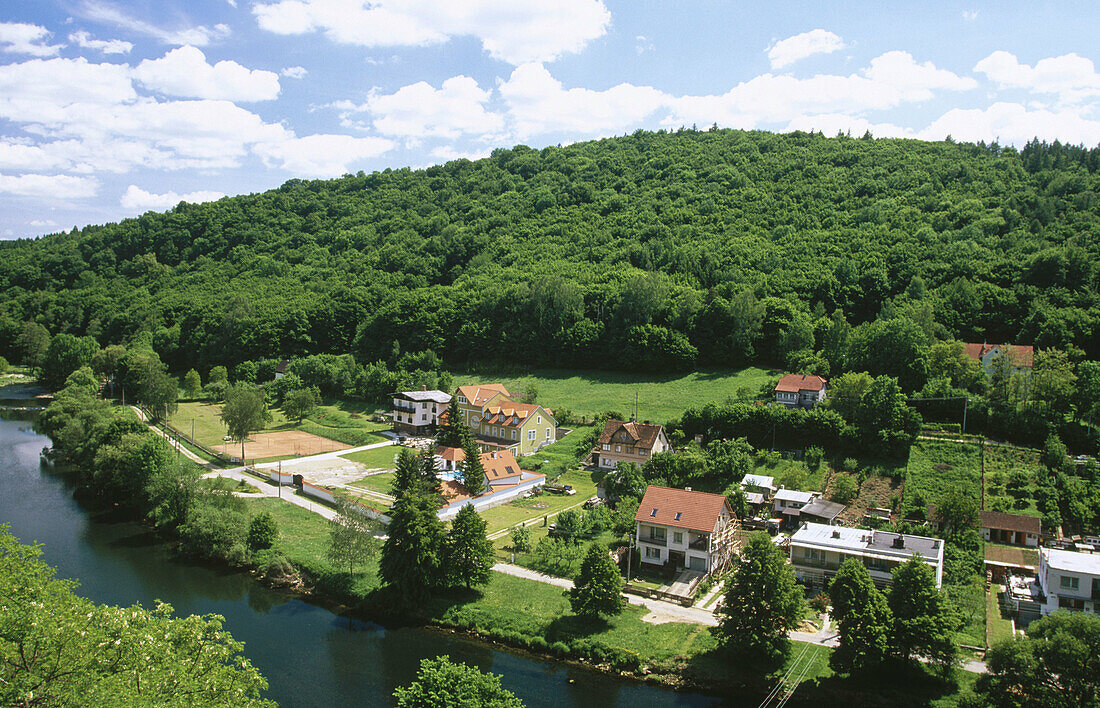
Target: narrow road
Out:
[171,440]
[268,489]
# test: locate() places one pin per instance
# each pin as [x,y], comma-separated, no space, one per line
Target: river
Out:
[310,656]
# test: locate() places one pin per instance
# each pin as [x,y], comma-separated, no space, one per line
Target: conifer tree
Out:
[412,553]
[407,475]
[450,433]
[430,482]
[598,589]
[473,473]
[469,556]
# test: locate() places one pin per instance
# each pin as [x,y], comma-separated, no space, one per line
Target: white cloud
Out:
[419,110]
[970,15]
[48,186]
[533,30]
[1012,123]
[642,45]
[537,103]
[800,46]
[198,36]
[40,223]
[294,72]
[321,155]
[137,199]
[1071,77]
[447,153]
[185,72]
[832,123]
[107,46]
[22,38]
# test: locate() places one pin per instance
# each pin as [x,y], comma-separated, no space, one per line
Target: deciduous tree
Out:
[924,622]
[863,619]
[244,411]
[598,589]
[441,682]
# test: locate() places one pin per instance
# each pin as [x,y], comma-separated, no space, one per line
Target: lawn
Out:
[379,458]
[329,421]
[508,515]
[997,626]
[937,467]
[565,454]
[590,392]
[209,428]
[376,482]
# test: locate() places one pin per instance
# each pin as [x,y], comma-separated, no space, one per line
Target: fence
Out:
[488,501]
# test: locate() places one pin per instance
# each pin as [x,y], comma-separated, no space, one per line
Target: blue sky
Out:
[109,109]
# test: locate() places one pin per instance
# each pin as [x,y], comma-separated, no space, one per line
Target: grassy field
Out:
[376,482]
[508,515]
[936,467]
[380,458]
[1000,463]
[329,421]
[997,627]
[660,398]
[566,454]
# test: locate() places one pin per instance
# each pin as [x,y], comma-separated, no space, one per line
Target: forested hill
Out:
[653,250]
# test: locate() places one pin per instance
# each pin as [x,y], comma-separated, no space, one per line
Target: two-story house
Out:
[1069,580]
[1020,358]
[800,390]
[817,550]
[499,423]
[684,529]
[788,504]
[417,412]
[1011,529]
[628,442]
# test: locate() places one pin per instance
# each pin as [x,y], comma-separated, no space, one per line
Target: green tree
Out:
[863,619]
[845,488]
[351,539]
[598,589]
[124,467]
[924,622]
[626,509]
[64,355]
[218,374]
[762,603]
[469,554]
[473,472]
[453,429]
[263,531]
[4,365]
[1053,381]
[33,342]
[192,384]
[885,421]
[412,553]
[245,411]
[739,502]
[957,510]
[441,683]
[521,539]
[59,649]
[626,480]
[1056,664]
[846,391]
[406,475]
[301,402]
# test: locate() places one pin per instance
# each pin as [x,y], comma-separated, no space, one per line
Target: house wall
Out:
[1066,597]
[1014,538]
[488,501]
[815,565]
[642,539]
[416,416]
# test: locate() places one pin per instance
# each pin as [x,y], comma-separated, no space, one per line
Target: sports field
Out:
[281,443]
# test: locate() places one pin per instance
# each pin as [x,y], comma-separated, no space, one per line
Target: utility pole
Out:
[966,404]
[279,481]
[981,448]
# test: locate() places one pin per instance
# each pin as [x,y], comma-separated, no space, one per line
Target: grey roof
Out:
[867,541]
[1071,561]
[794,495]
[824,509]
[436,396]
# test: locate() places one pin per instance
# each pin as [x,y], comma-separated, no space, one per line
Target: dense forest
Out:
[656,250]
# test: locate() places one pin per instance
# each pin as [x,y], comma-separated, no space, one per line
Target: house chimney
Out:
[899,542]
[423,387]
[687,489]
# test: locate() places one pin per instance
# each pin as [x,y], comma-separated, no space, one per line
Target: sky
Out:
[110,109]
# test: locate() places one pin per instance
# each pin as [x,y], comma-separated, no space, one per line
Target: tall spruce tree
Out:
[598,589]
[450,433]
[863,618]
[762,603]
[407,474]
[430,482]
[413,551]
[469,554]
[473,473]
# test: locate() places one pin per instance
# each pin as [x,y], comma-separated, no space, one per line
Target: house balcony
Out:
[653,541]
[823,565]
[404,409]
[700,544]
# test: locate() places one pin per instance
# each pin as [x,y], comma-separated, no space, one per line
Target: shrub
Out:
[814,456]
[845,488]
[263,532]
[521,539]
[850,464]
[560,648]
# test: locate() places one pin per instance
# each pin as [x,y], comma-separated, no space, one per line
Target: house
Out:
[1020,358]
[449,459]
[499,423]
[281,367]
[800,390]
[1068,580]
[684,529]
[628,442]
[789,503]
[820,511]
[1001,562]
[817,550]
[501,469]
[759,484]
[417,412]
[1011,529]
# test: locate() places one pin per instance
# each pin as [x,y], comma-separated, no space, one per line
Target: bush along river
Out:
[310,656]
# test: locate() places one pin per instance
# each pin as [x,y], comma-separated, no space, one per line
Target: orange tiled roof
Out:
[793,383]
[642,434]
[697,511]
[451,454]
[510,413]
[499,465]
[1022,355]
[479,394]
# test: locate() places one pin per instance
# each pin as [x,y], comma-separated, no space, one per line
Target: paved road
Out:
[270,490]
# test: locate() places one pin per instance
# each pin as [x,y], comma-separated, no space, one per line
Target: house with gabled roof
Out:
[499,423]
[1020,357]
[800,390]
[628,441]
[1011,529]
[682,528]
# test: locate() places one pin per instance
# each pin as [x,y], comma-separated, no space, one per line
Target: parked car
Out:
[594,502]
[560,488]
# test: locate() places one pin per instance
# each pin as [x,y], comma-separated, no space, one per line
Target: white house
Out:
[818,550]
[759,484]
[1011,529]
[1069,580]
[1020,357]
[789,503]
[800,390]
[417,412]
[684,529]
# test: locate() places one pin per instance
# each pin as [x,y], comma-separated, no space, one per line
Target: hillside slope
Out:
[653,250]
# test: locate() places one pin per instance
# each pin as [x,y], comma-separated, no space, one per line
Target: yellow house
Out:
[498,422]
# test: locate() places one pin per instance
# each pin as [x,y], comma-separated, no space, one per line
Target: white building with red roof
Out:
[684,529]
[1020,357]
[800,390]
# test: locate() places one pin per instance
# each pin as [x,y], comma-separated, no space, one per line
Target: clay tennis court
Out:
[280,444]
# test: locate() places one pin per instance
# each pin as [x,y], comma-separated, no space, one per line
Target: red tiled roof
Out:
[641,434]
[1011,522]
[697,511]
[793,383]
[451,454]
[499,465]
[1022,355]
[479,394]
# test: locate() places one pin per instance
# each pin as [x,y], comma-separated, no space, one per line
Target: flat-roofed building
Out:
[1069,580]
[817,550]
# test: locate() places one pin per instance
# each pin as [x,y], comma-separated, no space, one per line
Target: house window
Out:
[641,452]
[1069,583]
[618,448]
[530,434]
[606,447]
[677,537]
[651,552]
[538,420]
[515,435]
[812,553]
[657,533]
[548,433]
[461,399]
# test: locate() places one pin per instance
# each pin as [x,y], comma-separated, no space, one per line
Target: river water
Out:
[310,656]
